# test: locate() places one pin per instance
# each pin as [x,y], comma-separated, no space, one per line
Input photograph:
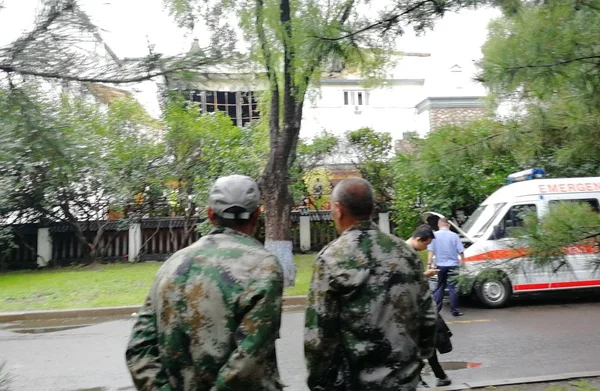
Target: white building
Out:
[417,96]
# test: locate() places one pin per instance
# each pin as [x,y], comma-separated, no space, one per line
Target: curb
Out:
[290,303]
[515,381]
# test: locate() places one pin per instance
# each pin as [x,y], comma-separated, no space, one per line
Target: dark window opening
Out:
[236,105]
[514,219]
[210,97]
[245,111]
[232,112]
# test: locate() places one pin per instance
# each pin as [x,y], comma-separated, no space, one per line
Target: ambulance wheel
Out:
[494,291]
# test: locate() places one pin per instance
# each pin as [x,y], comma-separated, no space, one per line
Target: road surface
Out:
[534,337]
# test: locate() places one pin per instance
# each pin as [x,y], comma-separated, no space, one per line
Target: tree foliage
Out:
[293,42]
[371,154]
[71,160]
[65,160]
[569,228]
[545,57]
[202,147]
[63,45]
[311,154]
[452,171]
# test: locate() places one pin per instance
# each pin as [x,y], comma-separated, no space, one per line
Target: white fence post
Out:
[135,241]
[384,222]
[44,247]
[305,233]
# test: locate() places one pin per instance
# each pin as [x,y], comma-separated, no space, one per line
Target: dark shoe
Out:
[444,382]
[457,314]
[422,384]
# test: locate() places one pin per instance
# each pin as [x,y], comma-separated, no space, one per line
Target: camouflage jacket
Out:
[211,319]
[370,318]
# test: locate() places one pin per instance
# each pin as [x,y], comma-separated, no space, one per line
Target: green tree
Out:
[552,239]
[371,153]
[200,148]
[310,155]
[67,160]
[293,41]
[58,48]
[544,57]
[453,170]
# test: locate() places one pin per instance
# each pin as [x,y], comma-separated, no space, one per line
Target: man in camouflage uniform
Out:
[370,318]
[213,313]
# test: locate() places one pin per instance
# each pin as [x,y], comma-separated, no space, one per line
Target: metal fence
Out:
[161,237]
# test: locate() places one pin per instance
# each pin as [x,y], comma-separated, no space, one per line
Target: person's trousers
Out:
[444,280]
[437,369]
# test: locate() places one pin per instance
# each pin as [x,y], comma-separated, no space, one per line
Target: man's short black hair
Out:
[232,223]
[423,233]
[356,196]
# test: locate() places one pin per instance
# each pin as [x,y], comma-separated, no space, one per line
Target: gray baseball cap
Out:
[231,191]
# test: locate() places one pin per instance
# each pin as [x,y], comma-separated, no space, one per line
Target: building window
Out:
[356,98]
[241,107]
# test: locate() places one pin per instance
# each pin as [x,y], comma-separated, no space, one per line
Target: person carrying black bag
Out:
[419,241]
[442,345]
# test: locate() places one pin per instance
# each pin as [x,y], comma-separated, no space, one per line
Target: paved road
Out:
[533,338]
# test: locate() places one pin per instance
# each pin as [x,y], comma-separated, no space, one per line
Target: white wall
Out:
[391,109]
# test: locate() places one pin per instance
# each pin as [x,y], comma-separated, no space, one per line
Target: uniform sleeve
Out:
[143,356]
[321,333]
[254,358]
[428,319]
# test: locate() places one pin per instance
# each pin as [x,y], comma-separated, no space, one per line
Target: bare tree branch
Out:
[381,23]
[64,46]
[555,64]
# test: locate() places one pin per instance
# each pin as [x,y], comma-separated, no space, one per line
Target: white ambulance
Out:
[490,247]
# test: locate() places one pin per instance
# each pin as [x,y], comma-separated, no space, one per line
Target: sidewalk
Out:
[290,303]
[587,384]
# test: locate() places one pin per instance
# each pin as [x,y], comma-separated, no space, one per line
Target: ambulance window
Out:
[515,218]
[592,202]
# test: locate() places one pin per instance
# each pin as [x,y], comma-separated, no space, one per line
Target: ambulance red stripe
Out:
[521,252]
[556,285]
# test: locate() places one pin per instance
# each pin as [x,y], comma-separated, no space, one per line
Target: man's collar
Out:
[446,228]
[219,229]
[362,225]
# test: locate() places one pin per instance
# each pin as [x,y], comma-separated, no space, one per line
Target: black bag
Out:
[442,337]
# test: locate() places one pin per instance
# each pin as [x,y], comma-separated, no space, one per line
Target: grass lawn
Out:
[99,286]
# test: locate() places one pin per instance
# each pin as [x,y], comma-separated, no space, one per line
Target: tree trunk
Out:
[277,200]
[284,130]
[277,203]
[277,197]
